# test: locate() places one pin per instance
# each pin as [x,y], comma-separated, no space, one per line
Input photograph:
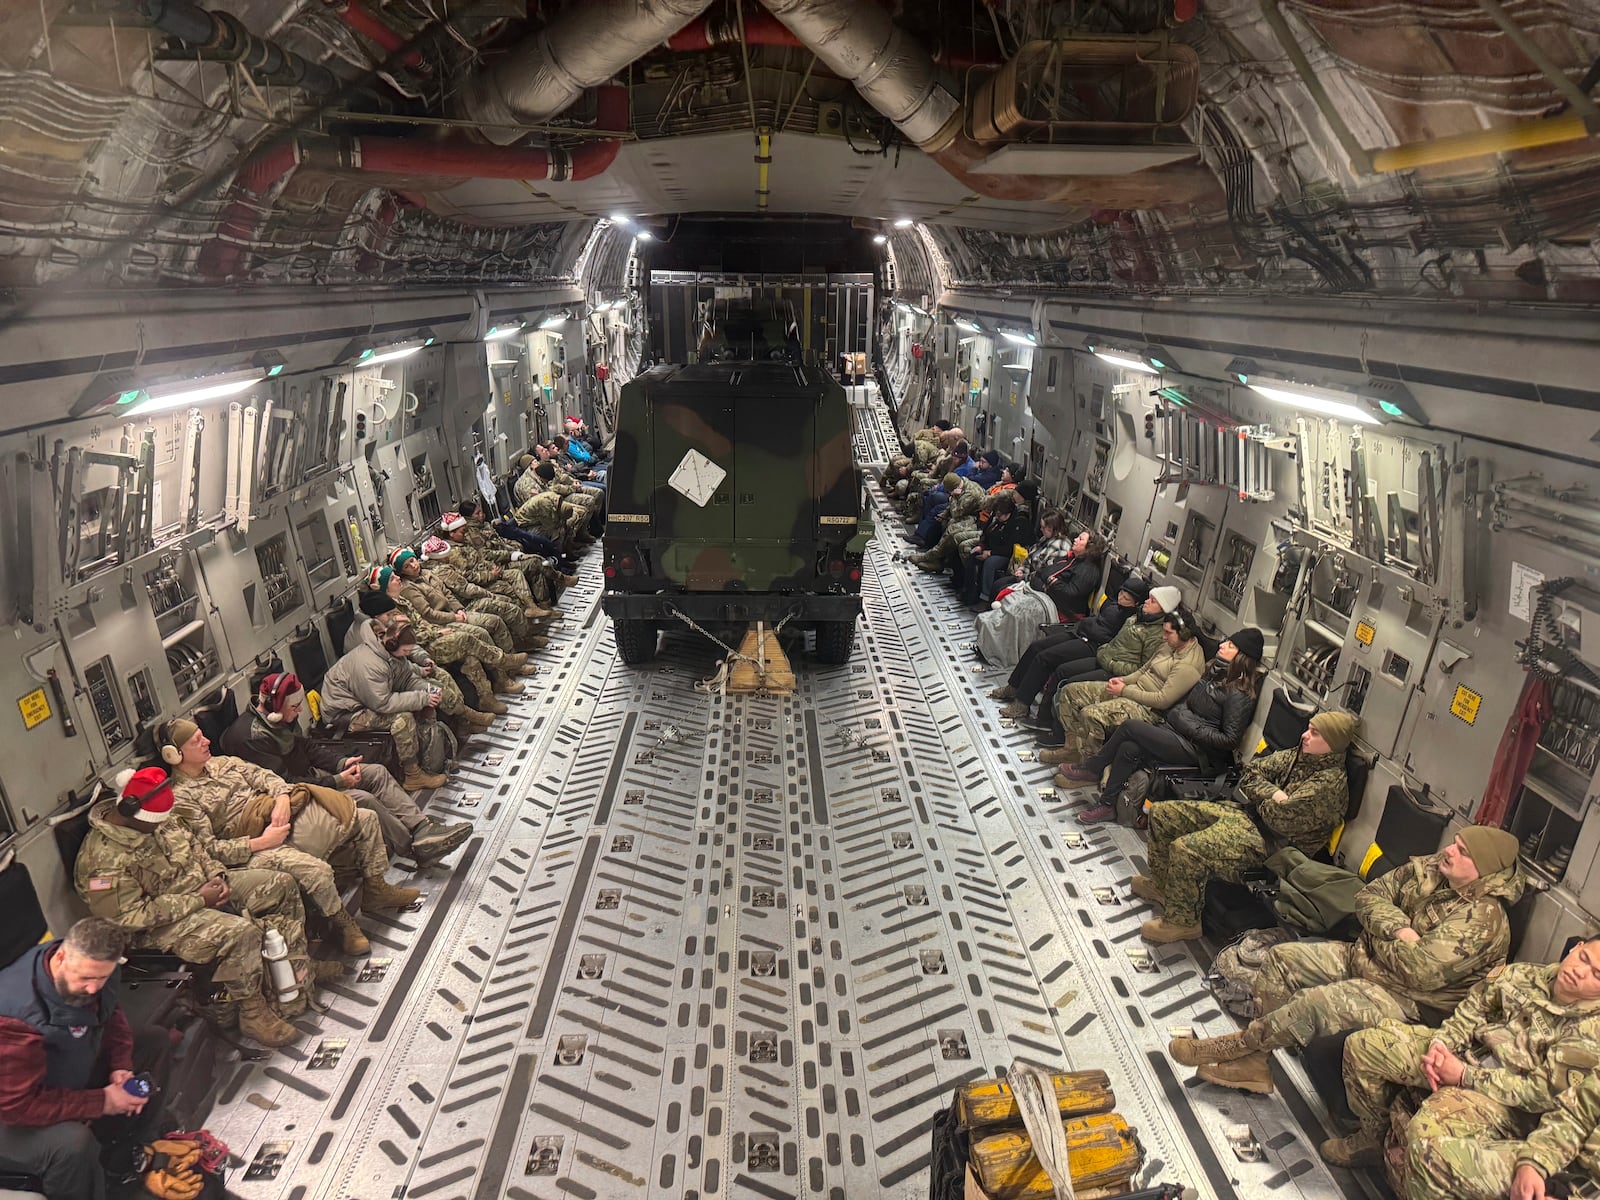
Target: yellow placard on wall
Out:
[35,708]
[1465,704]
[1365,633]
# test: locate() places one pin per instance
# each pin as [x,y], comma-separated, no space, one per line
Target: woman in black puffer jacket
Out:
[1201,730]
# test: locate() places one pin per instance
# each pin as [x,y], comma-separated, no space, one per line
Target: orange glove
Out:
[173,1172]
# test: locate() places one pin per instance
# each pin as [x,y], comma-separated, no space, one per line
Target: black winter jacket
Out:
[291,756]
[1105,624]
[1212,719]
[1071,588]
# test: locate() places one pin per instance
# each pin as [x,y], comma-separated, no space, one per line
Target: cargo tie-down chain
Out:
[718,679]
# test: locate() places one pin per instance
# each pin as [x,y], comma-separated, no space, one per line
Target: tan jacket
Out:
[1167,677]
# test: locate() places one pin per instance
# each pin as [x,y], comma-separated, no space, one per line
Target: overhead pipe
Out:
[222,37]
[409,157]
[585,46]
[356,15]
[860,42]
[1524,135]
[707,31]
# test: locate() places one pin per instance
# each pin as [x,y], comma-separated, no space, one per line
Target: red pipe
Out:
[367,23]
[219,258]
[760,29]
[612,111]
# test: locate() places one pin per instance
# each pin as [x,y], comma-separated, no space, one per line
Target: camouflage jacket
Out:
[1570,1131]
[479,566]
[1316,793]
[963,505]
[1540,1048]
[541,513]
[1464,933]
[223,788]
[449,577]
[426,602]
[489,544]
[141,880]
[1167,677]
[527,485]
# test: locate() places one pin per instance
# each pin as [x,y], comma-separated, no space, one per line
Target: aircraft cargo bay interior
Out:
[731,599]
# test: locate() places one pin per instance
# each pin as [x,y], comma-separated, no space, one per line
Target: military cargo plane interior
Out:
[715,599]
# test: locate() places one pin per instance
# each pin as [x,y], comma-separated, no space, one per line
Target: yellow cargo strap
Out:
[314,705]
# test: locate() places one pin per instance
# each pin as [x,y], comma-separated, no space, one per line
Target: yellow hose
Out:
[763,161]
[1546,131]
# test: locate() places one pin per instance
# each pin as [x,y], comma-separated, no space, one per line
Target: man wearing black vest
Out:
[65,1052]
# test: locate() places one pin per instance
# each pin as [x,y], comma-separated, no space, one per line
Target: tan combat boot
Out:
[1252,1073]
[380,893]
[1195,1052]
[1057,756]
[260,1024]
[567,580]
[1003,693]
[513,662]
[1357,1150]
[322,970]
[416,779]
[1013,708]
[492,704]
[1164,931]
[1146,888]
[351,939]
[506,685]
[481,719]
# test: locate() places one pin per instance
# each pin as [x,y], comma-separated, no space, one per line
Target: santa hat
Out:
[452,521]
[435,548]
[400,556]
[145,794]
[278,692]
[574,422]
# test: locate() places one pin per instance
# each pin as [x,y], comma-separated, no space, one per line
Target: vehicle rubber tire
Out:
[836,641]
[636,640]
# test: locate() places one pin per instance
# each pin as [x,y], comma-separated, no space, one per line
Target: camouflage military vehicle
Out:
[734,497]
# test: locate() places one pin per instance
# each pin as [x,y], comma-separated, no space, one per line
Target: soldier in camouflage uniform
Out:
[1298,796]
[484,570]
[223,788]
[1519,1040]
[1448,1166]
[965,499]
[541,513]
[1430,932]
[575,507]
[143,868]
[1090,711]
[442,565]
[458,643]
[439,594]
[545,577]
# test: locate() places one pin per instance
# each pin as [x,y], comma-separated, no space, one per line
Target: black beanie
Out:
[992,457]
[375,604]
[545,471]
[1136,586]
[1249,642]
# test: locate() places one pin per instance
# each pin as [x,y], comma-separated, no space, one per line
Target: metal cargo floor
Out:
[708,946]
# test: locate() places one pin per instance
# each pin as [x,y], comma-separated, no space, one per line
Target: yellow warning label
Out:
[1365,633]
[1465,704]
[35,708]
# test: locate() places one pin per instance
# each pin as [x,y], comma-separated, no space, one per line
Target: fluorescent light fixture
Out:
[1117,359]
[968,323]
[879,239]
[552,321]
[1328,402]
[644,235]
[500,332]
[1173,396]
[621,219]
[369,359]
[1019,339]
[162,401]
[904,223]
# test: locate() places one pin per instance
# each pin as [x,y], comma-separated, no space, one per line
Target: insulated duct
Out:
[583,47]
[222,37]
[859,41]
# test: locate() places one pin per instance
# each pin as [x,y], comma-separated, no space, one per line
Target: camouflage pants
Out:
[510,611]
[574,518]
[1089,714]
[451,702]
[1462,1145]
[1305,991]
[402,725]
[492,624]
[1379,1062]
[313,875]
[470,648]
[514,588]
[358,845]
[232,940]
[1193,841]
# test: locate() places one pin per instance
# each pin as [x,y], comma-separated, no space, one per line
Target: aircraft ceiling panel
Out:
[717,173]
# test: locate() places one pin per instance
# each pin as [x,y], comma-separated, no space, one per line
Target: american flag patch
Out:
[101,883]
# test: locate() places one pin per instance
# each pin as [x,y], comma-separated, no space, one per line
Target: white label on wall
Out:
[1523,580]
[697,478]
